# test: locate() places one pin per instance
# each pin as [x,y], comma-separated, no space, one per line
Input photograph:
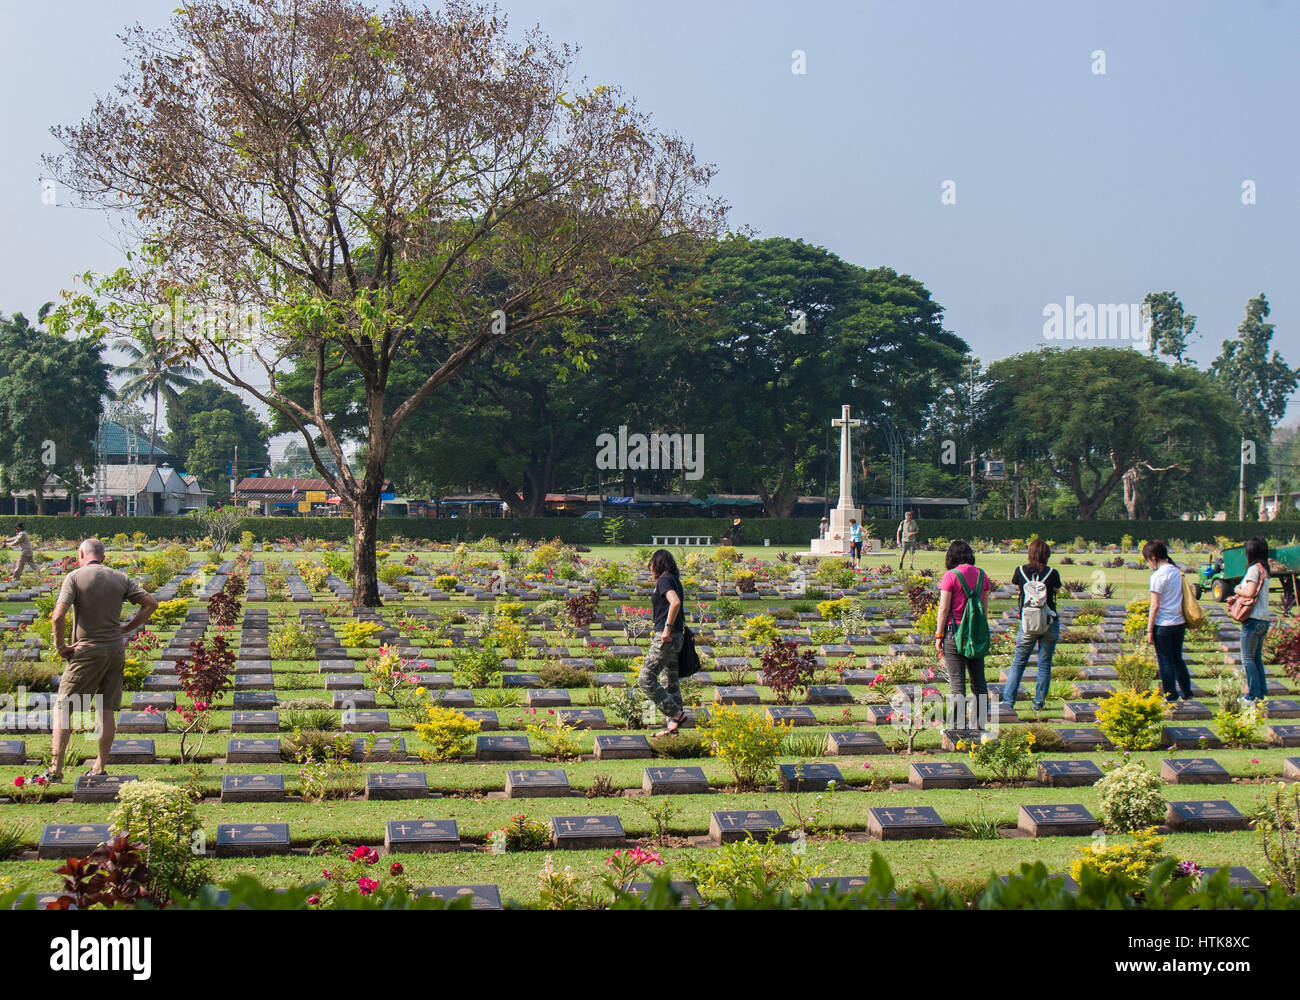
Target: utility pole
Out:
[234,474]
[1241,488]
[970,420]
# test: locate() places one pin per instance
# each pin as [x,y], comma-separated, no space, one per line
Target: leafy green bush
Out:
[447,733]
[749,743]
[1132,720]
[1130,798]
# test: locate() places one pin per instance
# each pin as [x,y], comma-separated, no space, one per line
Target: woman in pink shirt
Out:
[952,604]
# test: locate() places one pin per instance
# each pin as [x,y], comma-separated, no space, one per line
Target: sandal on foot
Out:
[674,724]
[52,776]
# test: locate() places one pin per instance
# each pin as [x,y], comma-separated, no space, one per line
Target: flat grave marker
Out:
[674,781]
[942,774]
[483,897]
[1203,817]
[587,832]
[247,840]
[421,835]
[252,788]
[735,824]
[1189,738]
[1068,773]
[904,823]
[622,746]
[70,840]
[263,750]
[537,783]
[100,787]
[1057,820]
[1193,771]
[795,715]
[809,777]
[843,744]
[387,786]
[503,748]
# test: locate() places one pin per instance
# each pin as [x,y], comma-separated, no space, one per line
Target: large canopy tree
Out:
[1103,418]
[39,439]
[362,182]
[794,333]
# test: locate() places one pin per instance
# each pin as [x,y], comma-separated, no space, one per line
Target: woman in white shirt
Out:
[1254,586]
[1165,623]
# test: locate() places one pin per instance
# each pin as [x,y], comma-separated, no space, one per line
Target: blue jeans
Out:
[1253,631]
[1174,677]
[1046,644]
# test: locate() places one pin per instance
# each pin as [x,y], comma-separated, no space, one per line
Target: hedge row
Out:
[787,532]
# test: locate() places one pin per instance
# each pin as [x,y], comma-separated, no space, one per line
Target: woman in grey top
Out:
[1254,586]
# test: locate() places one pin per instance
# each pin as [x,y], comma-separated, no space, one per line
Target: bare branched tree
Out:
[349,185]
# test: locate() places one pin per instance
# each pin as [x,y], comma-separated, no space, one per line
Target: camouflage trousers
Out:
[662,659]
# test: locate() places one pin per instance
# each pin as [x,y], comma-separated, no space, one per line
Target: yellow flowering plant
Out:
[1132,861]
[447,733]
[1008,757]
[747,741]
[1132,720]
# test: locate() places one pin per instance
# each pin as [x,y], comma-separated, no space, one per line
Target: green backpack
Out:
[972,637]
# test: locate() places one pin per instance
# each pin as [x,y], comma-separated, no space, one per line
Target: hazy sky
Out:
[1068,182]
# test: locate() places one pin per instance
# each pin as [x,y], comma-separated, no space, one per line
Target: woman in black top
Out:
[1035,570]
[666,646]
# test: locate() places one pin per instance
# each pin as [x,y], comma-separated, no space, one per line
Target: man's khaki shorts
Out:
[94,670]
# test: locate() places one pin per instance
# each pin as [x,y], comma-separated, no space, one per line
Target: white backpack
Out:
[1035,615]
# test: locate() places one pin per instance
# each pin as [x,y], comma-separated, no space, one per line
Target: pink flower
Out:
[396,868]
[1254,760]
[40,779]
[19,781]
[325,872]
[367,854]
[313,900]
[151,709]
[550,711]
[866,767]
[367,885]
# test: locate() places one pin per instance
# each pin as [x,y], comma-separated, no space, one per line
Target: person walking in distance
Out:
[906,536]
[23,544]
[855,543]
[96,660]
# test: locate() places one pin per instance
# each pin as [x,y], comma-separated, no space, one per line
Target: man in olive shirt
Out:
[97,656]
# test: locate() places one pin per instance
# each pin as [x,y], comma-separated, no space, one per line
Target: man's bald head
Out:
[91,548]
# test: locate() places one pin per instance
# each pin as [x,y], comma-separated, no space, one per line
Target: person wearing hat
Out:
[823,528]
[735,532]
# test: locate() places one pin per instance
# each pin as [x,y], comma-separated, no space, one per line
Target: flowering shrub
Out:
[1137,671]
[391,676]
[761,630]
[558,739]
[1132,720]
[1278,822]
[28,790]
[1238,726]
[561,889]
[747,866]
[161,819]
[832,610]
[522,834]
[1129,862]
[293,639]
[511,636]
[447,732]
[359,634]
[580,609]
[171,613]
[359,871]
[748,742]
[624,867]
[787,670]
[1007,757]
[205,676]
[1129,798]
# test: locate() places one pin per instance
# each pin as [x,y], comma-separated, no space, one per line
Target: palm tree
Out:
[155,371]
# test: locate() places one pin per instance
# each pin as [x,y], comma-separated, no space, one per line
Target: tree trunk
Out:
[365,535]
[153,434]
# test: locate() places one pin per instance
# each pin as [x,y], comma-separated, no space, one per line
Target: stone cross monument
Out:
[845,509]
